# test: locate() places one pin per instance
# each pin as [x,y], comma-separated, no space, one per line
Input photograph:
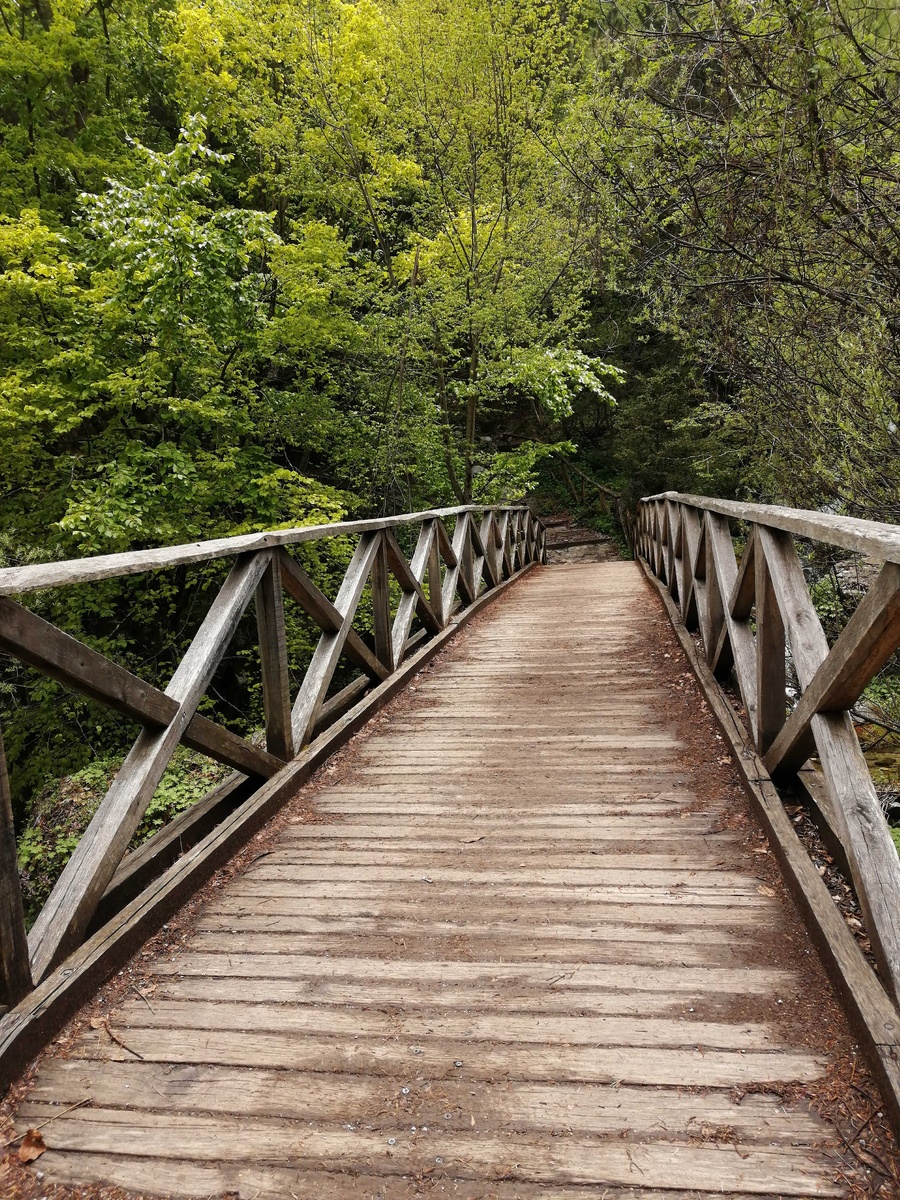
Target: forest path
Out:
[529,951]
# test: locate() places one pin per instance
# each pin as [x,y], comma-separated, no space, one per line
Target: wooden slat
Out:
[767,1170]
[15,970]
[62,657]
[64,918]
[734,630]
[331,644]
[274,664]
[381,605]
[595,1109]
[454,579]
[433,574]
[410,576]
[691,533]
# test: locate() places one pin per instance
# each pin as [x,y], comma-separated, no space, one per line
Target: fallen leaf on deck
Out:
[32,1146]
[766,891]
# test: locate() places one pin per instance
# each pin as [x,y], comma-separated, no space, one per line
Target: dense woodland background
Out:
[266,262]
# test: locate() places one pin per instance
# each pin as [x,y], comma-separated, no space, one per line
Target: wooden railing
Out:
[448,574]
[756,620]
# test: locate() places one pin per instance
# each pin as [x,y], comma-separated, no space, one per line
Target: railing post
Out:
[15,972]
[435,583]
[771,677]
[273,662]
[381,606]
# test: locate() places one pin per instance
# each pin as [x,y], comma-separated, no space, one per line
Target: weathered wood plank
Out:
[771,674]
[331,644]
[865,644]
[878,539]
[667,1067]
[14,580]
[265,1182]
[381,606]
[65,917]
[317,605]
[410,576]
[763,1170]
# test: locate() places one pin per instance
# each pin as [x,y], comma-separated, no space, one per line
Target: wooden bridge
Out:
[545,929]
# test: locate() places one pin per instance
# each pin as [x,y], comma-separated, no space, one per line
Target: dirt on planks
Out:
[848,1095]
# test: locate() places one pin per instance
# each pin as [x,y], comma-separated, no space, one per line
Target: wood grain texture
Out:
[15,580]
[498,961]
[876,538]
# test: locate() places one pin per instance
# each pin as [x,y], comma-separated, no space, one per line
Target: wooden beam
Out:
[274,664]
[381,604]
[15,971]
[462,544]
[435,582]
[71,905]
[771,677]
[875,538]
[866,643]
[456,578]
[60,656]
[690,521]
[735,633]
[331,644]
[410,576]
[15,580]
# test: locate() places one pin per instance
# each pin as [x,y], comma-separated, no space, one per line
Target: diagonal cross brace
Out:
[861,826]
[316,605]
[332,642]
[410,576]
[865,644]
[78,890]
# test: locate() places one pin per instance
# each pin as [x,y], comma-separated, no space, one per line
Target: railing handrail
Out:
[879,539]
[29,578]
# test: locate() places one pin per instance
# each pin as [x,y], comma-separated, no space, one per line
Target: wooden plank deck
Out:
[519,959]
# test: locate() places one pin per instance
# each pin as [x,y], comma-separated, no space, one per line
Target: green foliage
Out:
[63,810]
[745,158]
